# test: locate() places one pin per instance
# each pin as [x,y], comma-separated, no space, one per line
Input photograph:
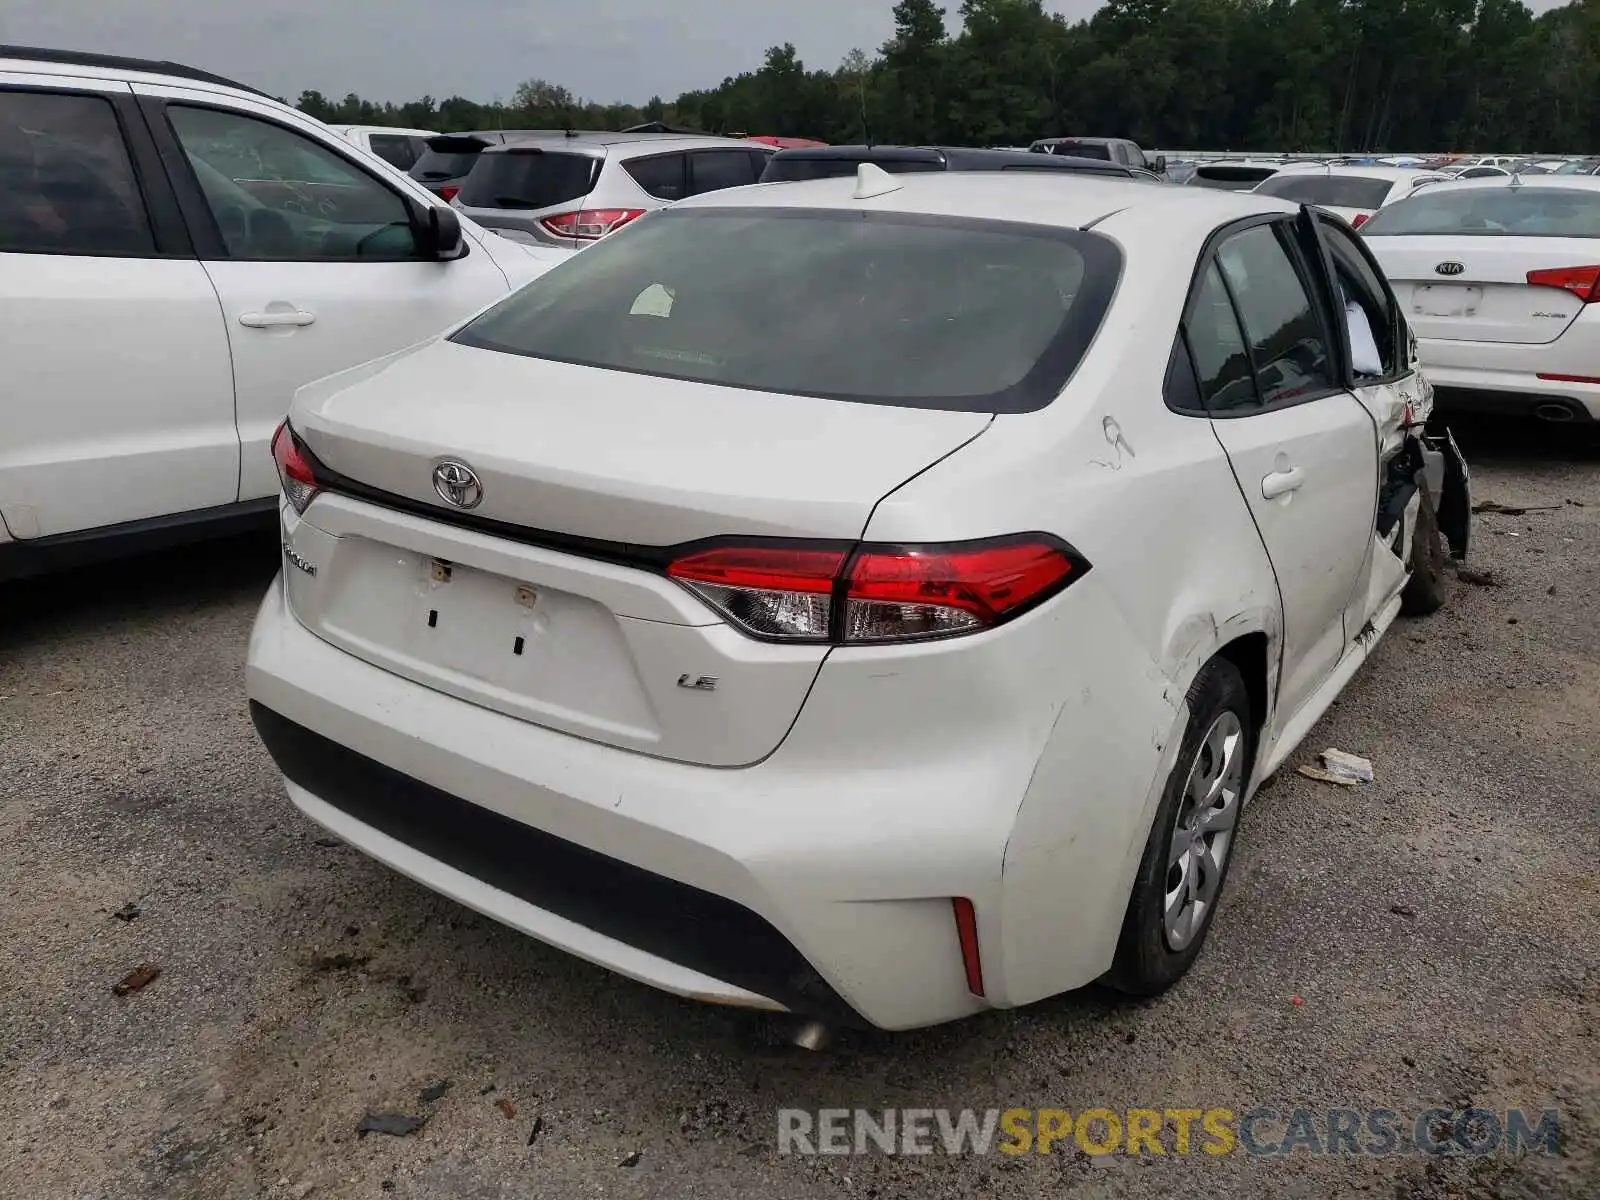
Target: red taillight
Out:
[1582,282]
[1360,219]
[967,936]
[449,192]
[590,224]
[294,472]
[876,594]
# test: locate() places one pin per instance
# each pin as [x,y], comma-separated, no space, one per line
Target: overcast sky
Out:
[401,49]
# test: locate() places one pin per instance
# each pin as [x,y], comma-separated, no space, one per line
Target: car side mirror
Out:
[439,233]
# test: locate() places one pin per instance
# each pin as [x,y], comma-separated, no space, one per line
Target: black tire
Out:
[1146,964]
[1426,591]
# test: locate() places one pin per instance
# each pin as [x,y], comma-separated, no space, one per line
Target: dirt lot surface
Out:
[1441,927]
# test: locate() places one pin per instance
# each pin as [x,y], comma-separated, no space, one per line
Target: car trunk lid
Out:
[1476,288]
[547,600]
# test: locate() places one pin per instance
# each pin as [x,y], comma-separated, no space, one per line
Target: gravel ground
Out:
[1439,927]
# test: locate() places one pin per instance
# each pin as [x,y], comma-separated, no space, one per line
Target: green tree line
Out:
[1332,75]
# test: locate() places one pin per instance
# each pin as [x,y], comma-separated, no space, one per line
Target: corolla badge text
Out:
[458,485]
[295,560]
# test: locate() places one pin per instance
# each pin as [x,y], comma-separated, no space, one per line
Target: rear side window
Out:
[528,177]
[66,186]
[395,148]
[924,312]
[1493,212]
[1334,191]
[1221,360]
[663,176]
[1288,344]
[714,170]
[782,169]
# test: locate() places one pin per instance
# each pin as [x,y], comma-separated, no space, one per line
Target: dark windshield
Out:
[528,177]
[1332,191]
[781,169]
[926,312]
[1230,179]
[435,165]
[1493,211]
[1079,149]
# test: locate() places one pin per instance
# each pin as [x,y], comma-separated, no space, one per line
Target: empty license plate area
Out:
[1446,300]
[513,644]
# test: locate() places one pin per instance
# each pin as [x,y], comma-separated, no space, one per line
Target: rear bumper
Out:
[1504,378]
[800,887]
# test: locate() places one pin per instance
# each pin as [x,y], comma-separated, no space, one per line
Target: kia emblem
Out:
[457,484]
[1449,268]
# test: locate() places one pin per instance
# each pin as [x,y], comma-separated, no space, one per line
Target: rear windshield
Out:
[528,177]
[1080,149]
[1230,179]
[780,169]
[1493,211]
[434,165]
[1333,191]
[923,312]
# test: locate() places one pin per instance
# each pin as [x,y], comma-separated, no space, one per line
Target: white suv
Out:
[178,254]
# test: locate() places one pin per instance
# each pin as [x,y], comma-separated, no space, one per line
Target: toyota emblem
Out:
[1449,268]
[457,484]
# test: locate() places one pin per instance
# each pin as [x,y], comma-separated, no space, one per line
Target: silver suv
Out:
[571,189]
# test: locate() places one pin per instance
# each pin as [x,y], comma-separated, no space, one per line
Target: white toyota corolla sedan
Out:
[873,598]
[1500,279]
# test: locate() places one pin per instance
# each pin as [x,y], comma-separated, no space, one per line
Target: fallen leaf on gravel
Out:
[434,1091]
[507,1109]
[328,841]
[135,979]
[1402,910]
[393,1124]
[1478,578]
[538,1127]
[127,912]
[631,1159]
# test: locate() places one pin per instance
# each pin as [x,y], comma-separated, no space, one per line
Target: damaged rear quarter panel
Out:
[1178,571]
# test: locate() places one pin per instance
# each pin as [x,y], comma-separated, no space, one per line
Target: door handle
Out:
[1281,483]
[270,320]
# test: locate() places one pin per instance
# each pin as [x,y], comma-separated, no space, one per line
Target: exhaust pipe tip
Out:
[1556,414]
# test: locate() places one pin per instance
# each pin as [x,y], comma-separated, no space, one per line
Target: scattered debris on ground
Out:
[322,963]
[1339,766]
[631,1159]
[1478,578]
[1402,910]
[538,1127]
[1513,510]
[507,1109]
[393,1124]
[128,911]
[136,979]
[434,1091]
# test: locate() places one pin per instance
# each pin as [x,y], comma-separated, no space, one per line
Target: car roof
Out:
[600,137]
[971,154]
[1356,172]
[114,66]
[1060,198]
[1586,183]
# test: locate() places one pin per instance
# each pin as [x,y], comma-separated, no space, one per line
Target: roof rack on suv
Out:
[116,62]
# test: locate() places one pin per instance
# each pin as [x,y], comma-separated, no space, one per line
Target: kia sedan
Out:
[827,598]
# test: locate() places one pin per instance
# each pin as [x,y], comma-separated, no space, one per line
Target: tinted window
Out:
[1287,341]
[782,169]
[1335,191]
[1221,362]
[1081,149]
[528,177]
[661,175]
[395,148]
[278,195]
[927,312]
[1230,179]
[1492,212]
[446,159]
[714,170]
[1182,389]
[66,186]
